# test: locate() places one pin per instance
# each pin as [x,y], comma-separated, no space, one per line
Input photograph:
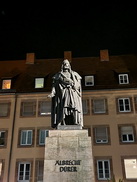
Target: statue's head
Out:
[66,65]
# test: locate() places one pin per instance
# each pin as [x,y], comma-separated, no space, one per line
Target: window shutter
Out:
[40,167]
[85,106]
[44,108]
[99,106]
[28,108]
[4,108]
[101,134]
[127,130]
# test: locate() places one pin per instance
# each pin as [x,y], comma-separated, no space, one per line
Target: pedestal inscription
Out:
[68,157]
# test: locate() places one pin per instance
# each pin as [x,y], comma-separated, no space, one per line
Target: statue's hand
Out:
[51,95]
[68,81]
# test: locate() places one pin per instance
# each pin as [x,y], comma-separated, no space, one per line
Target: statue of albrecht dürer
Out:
[66,97]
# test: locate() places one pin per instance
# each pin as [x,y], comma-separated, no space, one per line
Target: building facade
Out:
[109,96]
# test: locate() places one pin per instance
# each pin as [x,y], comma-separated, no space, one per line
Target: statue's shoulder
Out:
[76,75]
[56,76]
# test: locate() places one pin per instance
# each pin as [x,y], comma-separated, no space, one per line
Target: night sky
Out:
[83,28]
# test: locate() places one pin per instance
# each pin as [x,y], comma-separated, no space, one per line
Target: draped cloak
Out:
[67,99]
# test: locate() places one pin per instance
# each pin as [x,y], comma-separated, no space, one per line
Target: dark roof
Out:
[105,72]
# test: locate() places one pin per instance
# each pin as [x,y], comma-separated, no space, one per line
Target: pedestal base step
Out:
[69,127]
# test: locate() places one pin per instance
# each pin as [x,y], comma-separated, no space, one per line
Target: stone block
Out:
[52,142]
[84,154]
[68,157]
[51,153]
[69,127]
[84,142]
[52,177]
[67,154]
[54,133]
[68,142]
[75,133]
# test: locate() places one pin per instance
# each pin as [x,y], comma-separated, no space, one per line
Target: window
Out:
[130,166]
[26,137]
[123,79]
[39,82]
[99,106]
[2,138]
[127,134]
[42,135]
[85,105]
[4,109]
[135,102]
[6,84]
[1,169]
[39,169]
[124,105]
[44,108]
[101,134]
[24,172]
[28,108]
[103,169]
[89,80]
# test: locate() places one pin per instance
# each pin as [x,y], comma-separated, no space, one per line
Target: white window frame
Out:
[6,84]
[123,79]
[26,132]
[103,170]
[100,138]
[124,104]
[89,80]
[39,82]
[130,166]
[24,172]
[127,130]
[4,137]
[41,133]
[104,106]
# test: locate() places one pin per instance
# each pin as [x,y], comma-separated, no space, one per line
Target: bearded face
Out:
[66,65]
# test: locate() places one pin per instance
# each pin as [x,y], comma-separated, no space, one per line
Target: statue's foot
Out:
[63,122]
[77,124]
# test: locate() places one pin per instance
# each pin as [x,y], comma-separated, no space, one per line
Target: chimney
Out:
[68,55]
[104,55]
[30,58]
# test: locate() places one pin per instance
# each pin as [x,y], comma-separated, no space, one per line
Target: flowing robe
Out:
[67,99]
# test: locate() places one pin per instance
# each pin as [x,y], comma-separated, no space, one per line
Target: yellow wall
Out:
[112,119]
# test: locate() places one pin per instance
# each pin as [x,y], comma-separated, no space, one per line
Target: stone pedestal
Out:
[68,157]
[69,127]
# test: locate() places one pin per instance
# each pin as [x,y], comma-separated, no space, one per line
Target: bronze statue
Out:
[66,97]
